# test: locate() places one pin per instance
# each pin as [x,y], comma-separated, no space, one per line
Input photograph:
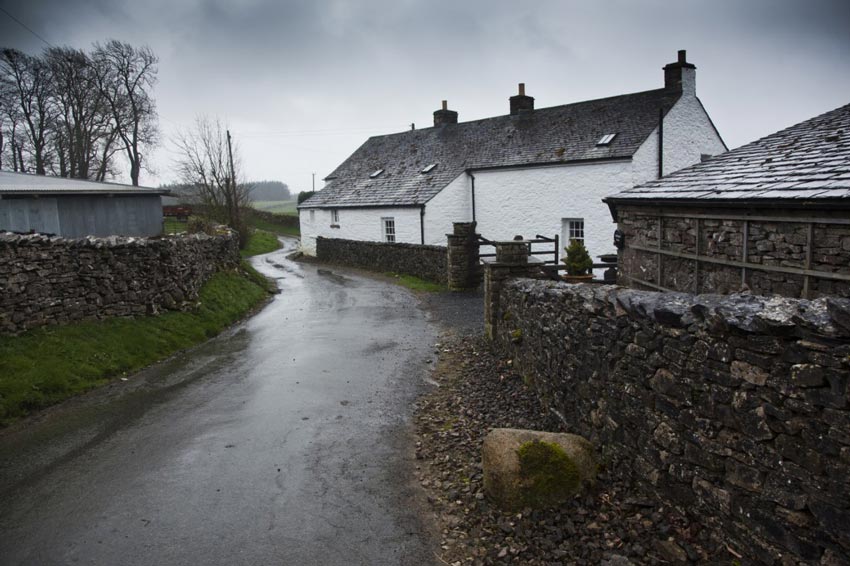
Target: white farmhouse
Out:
[534,171]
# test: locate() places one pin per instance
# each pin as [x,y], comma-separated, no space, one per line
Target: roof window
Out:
[606,139]
[429,168]
[376,174]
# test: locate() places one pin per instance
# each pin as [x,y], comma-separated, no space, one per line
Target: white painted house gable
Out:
[533,171]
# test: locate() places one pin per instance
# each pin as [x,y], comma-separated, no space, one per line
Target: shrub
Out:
[578,260]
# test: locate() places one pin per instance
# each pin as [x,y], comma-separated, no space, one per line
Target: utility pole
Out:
[314,182]
[231,197]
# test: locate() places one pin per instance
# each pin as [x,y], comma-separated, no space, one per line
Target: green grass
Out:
[261,224]
[49,364]
[416,284]
[260,242]
[277,206]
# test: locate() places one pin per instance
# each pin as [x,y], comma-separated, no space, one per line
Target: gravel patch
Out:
[457,312]
[612,523]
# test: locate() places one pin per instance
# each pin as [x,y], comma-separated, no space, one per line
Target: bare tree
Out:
[83,119]
[29,80]
[125,76]
[211,166]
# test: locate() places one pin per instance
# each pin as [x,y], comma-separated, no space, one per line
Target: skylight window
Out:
[606,139]
[376,174]
[429,168]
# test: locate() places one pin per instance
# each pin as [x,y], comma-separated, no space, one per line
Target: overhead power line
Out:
[25,26]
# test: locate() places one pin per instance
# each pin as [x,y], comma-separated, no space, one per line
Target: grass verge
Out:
[260,242]
[47,365]
[416,284]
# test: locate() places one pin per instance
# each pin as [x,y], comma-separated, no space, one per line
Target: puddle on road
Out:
[336,278]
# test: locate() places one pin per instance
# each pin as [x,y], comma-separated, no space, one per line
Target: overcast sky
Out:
[303,83]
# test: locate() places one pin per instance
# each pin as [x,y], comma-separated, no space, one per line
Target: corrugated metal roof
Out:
[24,183]
[546,136]
[808,161]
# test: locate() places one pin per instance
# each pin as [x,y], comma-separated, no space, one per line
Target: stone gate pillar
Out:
[511,260]
[463,269]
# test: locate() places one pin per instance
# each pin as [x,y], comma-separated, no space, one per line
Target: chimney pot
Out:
[522,89]
[682,58]
[445,105]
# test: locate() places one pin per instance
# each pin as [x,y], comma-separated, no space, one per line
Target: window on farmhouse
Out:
[575,229]
[389,229]
[334,216]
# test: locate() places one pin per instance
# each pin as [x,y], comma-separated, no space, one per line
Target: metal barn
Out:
[74,208]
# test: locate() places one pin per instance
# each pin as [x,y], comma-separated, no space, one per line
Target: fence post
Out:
[462,257]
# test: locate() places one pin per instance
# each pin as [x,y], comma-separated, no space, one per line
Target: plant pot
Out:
[578,278]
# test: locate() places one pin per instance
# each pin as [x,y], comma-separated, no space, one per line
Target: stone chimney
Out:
[680,76]
[445,116]
[521,102]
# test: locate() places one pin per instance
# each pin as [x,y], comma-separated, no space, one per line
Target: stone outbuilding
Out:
[531,171]
[75,208]
[771,217]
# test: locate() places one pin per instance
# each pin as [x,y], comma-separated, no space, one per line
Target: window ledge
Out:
[335,226]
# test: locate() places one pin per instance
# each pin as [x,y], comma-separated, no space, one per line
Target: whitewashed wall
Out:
[534,201]
[358,224]
[452,204]
[688,133]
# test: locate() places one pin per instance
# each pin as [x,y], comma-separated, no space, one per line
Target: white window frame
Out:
[575,229]
[334,216]
[388,231]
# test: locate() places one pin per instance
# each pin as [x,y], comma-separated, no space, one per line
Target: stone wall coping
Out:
[387,244]
[827,316]
[12,238]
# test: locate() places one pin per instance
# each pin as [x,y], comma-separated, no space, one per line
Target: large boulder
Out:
[527,468]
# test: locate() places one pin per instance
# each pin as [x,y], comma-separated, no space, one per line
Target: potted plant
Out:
[578,263]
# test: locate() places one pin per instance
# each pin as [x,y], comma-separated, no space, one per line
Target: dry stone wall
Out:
[46,280]
[769,243]
[425,262]
[733,408]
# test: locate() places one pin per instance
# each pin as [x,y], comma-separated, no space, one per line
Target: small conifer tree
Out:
[578,260]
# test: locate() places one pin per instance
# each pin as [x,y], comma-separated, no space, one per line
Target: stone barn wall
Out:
[732,408]
[425,262]
[46,280]
[769,243]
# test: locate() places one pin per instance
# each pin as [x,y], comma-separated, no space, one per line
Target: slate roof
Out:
[560,134]
[806,162]
[24,183]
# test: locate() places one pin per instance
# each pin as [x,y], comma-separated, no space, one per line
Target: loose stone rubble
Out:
[613,523]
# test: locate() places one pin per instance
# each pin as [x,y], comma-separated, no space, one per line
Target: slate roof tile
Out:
[810,160]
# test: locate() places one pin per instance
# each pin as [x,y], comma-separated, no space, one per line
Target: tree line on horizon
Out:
[258,190]
[72,113]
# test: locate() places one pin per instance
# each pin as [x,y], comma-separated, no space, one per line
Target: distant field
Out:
[277,206]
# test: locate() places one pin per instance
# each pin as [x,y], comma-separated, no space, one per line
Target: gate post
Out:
[462,257]
[511,261]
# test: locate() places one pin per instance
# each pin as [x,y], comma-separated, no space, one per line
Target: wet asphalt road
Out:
[285,441]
